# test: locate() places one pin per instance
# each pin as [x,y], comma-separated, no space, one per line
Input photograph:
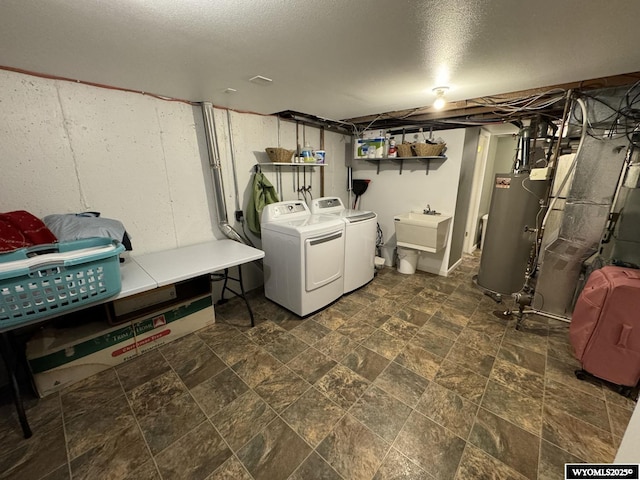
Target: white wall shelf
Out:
[400,161]
[291,164]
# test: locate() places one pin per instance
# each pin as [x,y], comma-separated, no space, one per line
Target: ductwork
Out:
[216,173]
[591,179]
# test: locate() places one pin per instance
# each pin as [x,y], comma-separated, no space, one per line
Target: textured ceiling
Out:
[332,59]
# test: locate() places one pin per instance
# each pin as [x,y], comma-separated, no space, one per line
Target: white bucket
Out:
[407,260]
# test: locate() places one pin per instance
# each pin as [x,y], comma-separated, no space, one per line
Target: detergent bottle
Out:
[307,153]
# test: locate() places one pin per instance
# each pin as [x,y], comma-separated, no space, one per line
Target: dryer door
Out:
[324,259]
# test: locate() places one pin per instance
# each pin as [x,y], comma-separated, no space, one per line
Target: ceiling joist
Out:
[547,101]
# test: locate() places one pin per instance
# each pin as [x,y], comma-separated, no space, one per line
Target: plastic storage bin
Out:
[47,280]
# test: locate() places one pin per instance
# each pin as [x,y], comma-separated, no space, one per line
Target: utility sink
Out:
[422,231]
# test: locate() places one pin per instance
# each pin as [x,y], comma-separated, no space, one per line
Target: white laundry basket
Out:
[407,260]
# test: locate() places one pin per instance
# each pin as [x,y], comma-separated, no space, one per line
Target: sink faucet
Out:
[428,211]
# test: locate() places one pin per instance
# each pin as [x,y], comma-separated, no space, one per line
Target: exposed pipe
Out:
[526,139]
[216,173]
[623,173]
[322,169]
[548,315]
[565,120]
[552,166]
[541,229]
[573,163]
[233,163]
[542,226]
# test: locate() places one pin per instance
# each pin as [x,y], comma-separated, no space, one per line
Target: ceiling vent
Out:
[261,80]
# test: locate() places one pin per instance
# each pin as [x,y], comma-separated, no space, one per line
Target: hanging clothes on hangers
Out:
[262,193]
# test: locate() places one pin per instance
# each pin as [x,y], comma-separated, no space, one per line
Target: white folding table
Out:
[153,270]
[171,266]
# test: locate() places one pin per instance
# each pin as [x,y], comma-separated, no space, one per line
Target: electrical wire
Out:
[379,237]
[623,120]
[246,236]
[379,240]
[380,116]
[522,104]
[359,133]
[595,128]
[525,99]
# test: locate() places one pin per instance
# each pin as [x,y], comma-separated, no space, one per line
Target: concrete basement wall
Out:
[68,148]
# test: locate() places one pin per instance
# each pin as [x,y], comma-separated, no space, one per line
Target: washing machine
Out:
[360,240]
[303,262]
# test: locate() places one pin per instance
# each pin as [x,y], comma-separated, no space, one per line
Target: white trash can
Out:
[407,260]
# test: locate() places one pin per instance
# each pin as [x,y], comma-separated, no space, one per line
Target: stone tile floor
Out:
[410,377]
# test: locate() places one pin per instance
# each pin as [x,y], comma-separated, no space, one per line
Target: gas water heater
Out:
[514,215]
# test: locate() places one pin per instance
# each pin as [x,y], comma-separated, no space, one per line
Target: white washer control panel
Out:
[284,210]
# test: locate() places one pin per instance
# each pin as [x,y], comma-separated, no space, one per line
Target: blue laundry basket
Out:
[48,280]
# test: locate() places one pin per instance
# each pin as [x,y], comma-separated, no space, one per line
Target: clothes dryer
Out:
[360,240]
[303,262]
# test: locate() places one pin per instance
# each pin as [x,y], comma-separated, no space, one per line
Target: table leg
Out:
[226,277]
[5,349]
[224,286]
[244,296]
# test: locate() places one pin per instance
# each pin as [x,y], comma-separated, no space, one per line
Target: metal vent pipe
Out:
[216,173]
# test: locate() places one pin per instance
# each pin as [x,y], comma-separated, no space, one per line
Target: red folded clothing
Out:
[21,229]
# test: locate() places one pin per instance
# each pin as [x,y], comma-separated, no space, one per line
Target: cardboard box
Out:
[123,306]
[60,357]
[123,310]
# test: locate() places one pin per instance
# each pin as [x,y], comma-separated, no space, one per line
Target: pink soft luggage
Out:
[605,327]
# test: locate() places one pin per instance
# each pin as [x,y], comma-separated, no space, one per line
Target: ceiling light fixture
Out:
[440,101]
